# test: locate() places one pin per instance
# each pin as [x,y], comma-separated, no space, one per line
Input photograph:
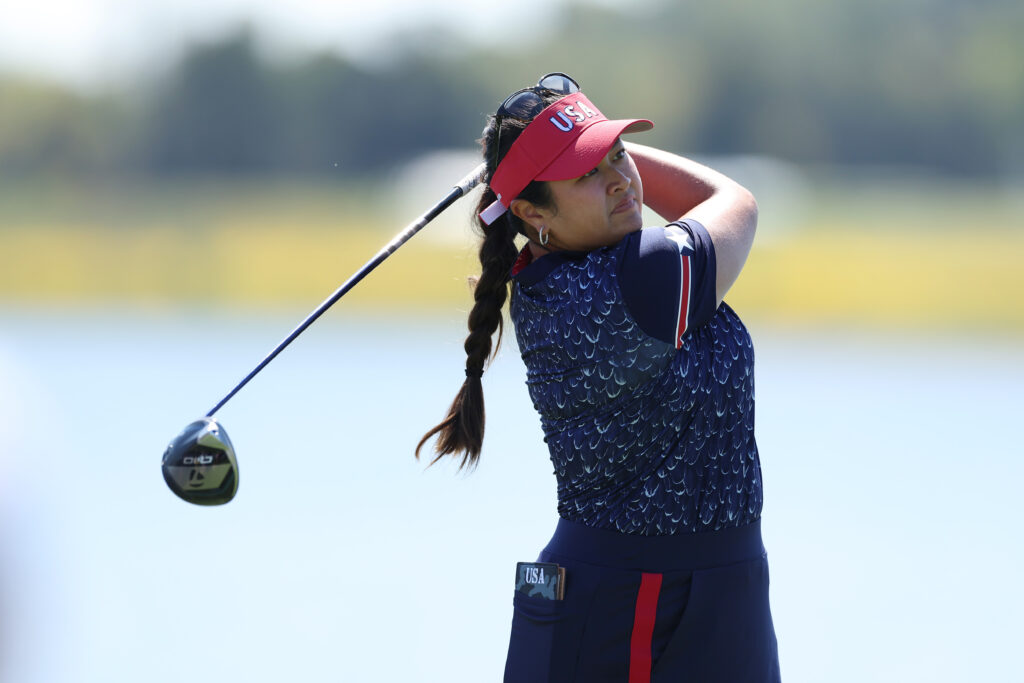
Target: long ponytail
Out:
[462,429]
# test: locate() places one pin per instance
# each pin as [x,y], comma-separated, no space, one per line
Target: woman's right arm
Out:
[676,187]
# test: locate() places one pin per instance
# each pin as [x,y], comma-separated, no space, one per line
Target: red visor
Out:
[567,139]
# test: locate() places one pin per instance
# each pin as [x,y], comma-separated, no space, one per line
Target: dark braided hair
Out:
[462,430]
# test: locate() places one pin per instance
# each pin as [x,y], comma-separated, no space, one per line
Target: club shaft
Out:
[464,186]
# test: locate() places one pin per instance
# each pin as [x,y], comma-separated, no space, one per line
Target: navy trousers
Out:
[643,609]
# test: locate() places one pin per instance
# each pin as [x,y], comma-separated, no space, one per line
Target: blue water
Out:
[892,469]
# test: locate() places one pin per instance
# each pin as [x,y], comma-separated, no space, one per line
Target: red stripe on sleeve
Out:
[643,628]
[684,300]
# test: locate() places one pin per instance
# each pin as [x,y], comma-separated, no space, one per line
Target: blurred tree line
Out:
[937,84]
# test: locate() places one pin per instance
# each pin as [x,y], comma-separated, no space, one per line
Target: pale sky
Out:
[90,42]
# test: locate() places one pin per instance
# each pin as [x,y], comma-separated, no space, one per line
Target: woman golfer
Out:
[643,379]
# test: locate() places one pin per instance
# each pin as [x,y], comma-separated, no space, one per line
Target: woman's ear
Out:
[527,212]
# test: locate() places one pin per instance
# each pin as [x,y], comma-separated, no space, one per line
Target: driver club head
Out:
[199,465]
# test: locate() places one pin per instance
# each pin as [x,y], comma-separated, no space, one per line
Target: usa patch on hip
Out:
[540,580]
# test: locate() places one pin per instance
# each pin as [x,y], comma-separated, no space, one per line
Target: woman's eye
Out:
[621,154]
[589,173]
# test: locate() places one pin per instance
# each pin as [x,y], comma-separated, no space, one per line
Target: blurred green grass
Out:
[938,255]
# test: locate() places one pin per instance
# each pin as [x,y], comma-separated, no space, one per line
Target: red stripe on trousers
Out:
[643,628]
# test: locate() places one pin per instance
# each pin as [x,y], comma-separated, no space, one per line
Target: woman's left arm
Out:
[676,187]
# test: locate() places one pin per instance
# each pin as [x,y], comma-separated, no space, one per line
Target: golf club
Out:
[199,464]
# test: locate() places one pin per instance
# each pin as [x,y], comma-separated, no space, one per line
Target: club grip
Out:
[472,179]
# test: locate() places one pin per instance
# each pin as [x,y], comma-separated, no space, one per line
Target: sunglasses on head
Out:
[525,104]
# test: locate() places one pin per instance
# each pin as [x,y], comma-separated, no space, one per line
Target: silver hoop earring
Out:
[542,237]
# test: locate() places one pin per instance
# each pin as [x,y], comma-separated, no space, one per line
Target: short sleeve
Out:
[667,277]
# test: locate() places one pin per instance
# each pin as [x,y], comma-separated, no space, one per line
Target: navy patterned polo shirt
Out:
[645,389]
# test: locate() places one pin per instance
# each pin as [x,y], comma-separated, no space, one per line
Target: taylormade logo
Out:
[570,116]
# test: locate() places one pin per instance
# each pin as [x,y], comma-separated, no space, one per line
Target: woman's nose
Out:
[618,180]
